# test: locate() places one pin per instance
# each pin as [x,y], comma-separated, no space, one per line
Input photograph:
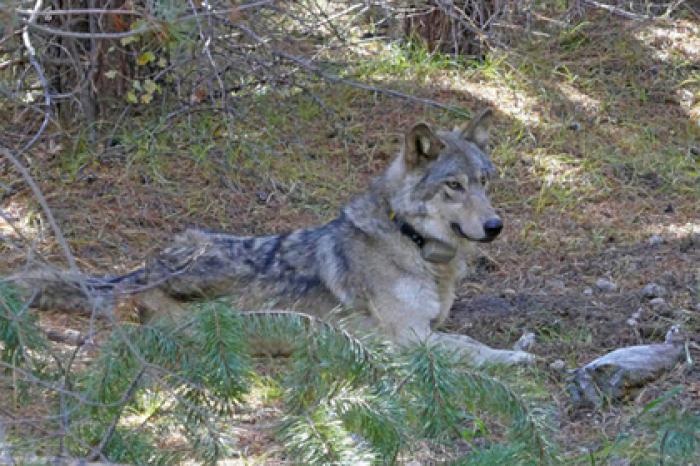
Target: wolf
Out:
[392,258]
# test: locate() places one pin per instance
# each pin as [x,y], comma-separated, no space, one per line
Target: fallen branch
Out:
[154,26]
[81,11]
[616,10]
[56,461]
[67,336]
[611,376]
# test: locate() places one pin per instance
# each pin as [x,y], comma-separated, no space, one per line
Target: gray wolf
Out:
[393,257]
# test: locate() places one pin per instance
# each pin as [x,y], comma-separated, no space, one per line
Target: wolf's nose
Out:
[492,227]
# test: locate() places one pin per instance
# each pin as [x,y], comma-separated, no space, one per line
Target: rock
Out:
[588,291]
[653,290]
[631,322]
[525,342]
[658,304]
[655,240]
[574,126]
[611,376]
[557,365]
[619,462]
[603,284]
[637,314]
[697,307]
[689,242]
[555,284]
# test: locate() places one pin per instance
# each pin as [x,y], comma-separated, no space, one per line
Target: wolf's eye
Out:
[456,185]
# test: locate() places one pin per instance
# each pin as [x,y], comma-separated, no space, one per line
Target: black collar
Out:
[431,250]
[407,230]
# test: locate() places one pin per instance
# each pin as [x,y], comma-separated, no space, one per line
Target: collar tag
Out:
[431,250]
[437,251]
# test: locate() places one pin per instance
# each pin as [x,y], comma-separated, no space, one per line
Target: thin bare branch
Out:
[311,67]
[616,10]
[98,451]
[81,11]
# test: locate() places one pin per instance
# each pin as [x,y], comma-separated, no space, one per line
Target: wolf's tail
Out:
[191,252]
[49,288]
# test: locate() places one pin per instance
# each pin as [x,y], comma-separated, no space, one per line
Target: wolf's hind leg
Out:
[156,304]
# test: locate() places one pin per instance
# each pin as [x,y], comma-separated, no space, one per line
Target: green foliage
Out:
[447,399]
[433,384]
[677,430]
[390,402]
[410,59]
[345,400]
[21,340]
[222,365]
[201,368]
[320,437]
[664,432]
[510,454]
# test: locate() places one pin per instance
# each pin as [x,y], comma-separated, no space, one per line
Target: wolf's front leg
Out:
[409,324]
[480,354]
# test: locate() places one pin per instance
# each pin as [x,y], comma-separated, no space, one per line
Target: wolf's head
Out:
[438,182]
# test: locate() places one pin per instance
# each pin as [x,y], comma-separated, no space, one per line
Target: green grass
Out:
[655,434]
[410,60]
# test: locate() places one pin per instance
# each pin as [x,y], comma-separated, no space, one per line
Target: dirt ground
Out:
[576,322]
[562,297]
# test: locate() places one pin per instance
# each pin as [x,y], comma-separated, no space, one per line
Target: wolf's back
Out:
[200,264]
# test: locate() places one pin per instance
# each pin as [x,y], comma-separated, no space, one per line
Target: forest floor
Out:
[597,138]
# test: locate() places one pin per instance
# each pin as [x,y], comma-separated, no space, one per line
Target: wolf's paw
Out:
[506,358]
[522,358]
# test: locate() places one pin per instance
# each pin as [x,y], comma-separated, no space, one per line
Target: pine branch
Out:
[224,366]
[375,415]
[22,340]
[320,438]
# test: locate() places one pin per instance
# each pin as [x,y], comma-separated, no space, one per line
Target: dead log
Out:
[612,376]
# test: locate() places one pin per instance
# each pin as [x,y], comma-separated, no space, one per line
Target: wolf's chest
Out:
[446,279]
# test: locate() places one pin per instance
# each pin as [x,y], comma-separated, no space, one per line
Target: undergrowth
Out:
[345,400]
[161,393]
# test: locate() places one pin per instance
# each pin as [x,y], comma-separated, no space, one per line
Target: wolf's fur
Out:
[394,255]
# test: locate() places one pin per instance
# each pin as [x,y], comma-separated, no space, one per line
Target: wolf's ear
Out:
[421,145]
[477,129]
